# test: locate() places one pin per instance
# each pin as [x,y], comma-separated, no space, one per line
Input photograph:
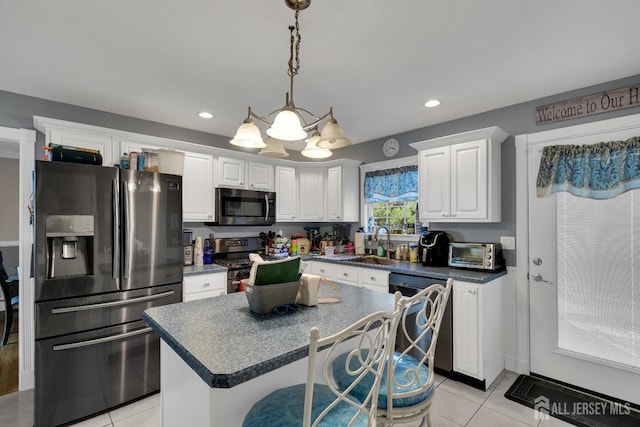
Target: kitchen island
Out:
[218,358]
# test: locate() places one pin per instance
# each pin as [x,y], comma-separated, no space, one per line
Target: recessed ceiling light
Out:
[205,115]
[432,103]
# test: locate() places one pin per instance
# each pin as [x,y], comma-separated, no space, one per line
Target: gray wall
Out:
[9,196]
[18,111]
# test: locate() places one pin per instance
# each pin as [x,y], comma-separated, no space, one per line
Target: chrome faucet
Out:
[388,238]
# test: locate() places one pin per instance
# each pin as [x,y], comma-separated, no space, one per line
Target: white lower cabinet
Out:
[370,278]
[375,279]
[204,286]
[347,274]
[325,269]
[478,329]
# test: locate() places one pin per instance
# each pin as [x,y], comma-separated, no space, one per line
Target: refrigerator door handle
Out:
[266,202]
[75,308]
[127,230]
[115,269]
[100,340]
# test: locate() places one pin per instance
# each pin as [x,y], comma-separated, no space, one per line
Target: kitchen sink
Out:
[377,260]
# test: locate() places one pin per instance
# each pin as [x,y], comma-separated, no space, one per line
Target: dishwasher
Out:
[411,285]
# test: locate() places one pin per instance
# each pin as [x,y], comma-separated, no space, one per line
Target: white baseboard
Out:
[26,380]
[518,365]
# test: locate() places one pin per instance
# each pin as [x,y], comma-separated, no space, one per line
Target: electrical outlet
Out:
[508,242]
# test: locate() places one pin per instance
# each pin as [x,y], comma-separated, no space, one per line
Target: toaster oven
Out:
[476,256]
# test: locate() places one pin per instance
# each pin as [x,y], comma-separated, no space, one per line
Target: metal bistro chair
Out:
[325,404]
[11,299]
[407,387]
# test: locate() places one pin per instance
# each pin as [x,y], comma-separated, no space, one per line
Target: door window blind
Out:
[598,244]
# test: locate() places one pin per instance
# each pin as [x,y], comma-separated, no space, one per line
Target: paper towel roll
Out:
[360,243]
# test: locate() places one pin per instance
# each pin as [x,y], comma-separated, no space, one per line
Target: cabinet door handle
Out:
[206,285]
[345,274]
[373,279]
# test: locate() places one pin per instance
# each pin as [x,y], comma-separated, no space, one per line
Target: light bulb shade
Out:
[332,136]
[314,152]
[274,148]
[248,136]
[286,127]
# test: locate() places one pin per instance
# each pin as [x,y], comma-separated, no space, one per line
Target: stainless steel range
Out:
[233,253]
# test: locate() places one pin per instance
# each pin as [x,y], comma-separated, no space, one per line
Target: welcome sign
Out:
[612,100]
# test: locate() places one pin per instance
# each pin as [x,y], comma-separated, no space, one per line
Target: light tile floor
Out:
[454,405]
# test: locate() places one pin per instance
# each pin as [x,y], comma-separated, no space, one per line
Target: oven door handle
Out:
[75,308]
[87,343]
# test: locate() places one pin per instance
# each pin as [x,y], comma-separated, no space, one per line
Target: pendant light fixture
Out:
[312,150]
[292,123]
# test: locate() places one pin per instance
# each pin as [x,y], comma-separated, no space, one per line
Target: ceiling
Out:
[375,61]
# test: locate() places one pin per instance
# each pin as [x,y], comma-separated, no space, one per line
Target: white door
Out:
[550,222]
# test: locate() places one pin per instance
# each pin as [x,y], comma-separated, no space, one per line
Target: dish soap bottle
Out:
[207,256]
[381,251]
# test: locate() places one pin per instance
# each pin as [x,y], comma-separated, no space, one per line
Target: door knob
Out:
[538,278]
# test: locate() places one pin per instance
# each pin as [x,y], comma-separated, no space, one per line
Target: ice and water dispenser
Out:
[69,245]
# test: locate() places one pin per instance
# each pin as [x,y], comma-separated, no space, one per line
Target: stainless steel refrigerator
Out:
[108,246]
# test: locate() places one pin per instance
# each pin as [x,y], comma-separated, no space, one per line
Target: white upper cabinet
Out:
[460,178]
[197,187]
[76,135]
[334,193]
[231,172]
[286,185]
[469,171]
[311,194]
[343,197]
[260,176]
[239,173]
[434,185]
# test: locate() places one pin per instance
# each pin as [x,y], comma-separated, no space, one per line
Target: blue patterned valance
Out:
[391,185]
[598,171]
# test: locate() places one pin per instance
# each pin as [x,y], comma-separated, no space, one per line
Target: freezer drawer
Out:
[83,374]
[71,315]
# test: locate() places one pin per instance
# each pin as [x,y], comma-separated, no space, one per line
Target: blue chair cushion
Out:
[360,391]
[285,407]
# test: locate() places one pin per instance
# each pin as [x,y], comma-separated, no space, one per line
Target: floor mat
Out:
[575,407]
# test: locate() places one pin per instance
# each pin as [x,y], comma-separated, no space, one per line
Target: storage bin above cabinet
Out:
[460,177]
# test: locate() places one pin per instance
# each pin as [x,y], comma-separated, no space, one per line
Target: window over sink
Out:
[390,196]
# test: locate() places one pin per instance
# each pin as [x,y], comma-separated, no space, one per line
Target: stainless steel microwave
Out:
[244,207]
[476,256]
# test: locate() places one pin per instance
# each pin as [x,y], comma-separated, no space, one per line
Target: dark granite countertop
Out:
[414,269]
[193,270]
[226,345]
